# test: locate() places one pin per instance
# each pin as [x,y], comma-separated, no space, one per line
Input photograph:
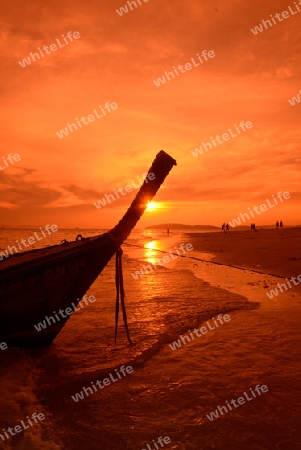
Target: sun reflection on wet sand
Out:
[151,254]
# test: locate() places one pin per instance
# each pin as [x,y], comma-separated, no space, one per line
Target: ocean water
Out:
[169,391]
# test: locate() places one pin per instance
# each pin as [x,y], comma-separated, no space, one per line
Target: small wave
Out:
[18,400]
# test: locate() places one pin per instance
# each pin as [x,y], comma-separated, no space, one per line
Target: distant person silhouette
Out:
[277,224]
[223,227]
[281,224]
[167,230]
[227,228]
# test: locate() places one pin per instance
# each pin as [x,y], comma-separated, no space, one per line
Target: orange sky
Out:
[116,59]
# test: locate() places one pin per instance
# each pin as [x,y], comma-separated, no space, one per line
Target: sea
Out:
[169,392]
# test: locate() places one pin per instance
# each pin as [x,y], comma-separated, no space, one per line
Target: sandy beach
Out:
[134,134]
[199,380]
[269,251]
[173,389]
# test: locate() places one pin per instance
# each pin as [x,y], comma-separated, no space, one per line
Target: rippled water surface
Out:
[169,392]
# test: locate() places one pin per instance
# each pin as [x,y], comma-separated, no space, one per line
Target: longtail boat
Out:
[35,283]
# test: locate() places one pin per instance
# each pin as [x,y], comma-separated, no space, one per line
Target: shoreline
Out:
[269,251]
[258,346]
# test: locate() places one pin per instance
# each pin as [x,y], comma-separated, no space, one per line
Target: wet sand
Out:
[262,346]
[171,392]
[269,251]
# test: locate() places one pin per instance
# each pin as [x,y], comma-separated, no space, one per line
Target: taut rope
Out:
[120,295]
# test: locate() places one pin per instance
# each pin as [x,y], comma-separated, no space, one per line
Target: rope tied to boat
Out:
[120,295]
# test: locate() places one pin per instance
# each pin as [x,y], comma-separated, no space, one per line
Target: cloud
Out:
[117,59]
[17,190]
[83,194]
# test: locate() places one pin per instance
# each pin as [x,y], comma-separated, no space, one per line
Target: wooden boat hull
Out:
[39,283]
[45,281]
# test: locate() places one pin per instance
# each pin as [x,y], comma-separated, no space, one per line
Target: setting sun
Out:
[150,224]
[152,206]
